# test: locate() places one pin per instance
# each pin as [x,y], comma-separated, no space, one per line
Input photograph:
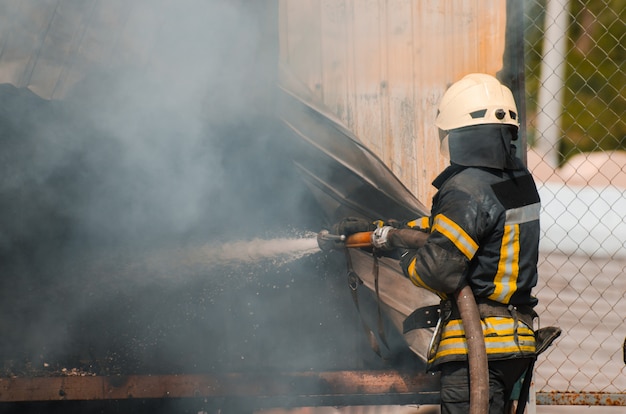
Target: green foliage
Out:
[594,96]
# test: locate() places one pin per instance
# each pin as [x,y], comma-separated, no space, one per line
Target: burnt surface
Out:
[116,290]
[129,212]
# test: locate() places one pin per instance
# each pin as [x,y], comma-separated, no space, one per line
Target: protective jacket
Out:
[483,231]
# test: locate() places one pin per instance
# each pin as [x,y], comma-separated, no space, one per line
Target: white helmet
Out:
[476,99]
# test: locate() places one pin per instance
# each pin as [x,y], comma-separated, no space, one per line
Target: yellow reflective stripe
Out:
[454,346]
[456,235]
[508,266]
[492,325]
[417,280]
[507,344]
[422,223]
[504,326]
[499,338]
[458,346]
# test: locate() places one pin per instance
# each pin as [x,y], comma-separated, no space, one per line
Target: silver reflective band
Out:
[380,237]
[523,214]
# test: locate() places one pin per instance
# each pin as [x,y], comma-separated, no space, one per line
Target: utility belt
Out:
[488,308]
[438,315]
[429,316]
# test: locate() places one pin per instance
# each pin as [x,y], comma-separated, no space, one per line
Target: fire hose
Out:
[468,309]
[476,351]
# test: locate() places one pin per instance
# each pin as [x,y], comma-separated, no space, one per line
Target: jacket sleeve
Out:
[440,265]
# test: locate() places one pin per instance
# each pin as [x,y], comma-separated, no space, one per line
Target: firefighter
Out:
[483,231]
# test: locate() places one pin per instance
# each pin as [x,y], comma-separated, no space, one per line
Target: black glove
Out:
[351,225]
[395,224]
[406,256]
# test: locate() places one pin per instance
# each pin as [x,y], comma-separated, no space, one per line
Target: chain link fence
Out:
[576,110]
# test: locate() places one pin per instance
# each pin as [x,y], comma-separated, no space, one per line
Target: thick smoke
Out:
[149,160]
[167,116]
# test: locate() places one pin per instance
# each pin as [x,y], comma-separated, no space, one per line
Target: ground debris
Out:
[23,369]
[73,372]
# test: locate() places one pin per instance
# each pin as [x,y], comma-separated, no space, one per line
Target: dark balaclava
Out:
[486,145]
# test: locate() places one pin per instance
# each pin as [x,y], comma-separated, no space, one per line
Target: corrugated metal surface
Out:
[49,46]
[382,66]
[151,141]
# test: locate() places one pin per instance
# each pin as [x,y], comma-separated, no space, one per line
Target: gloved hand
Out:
[396,224]
[351,225]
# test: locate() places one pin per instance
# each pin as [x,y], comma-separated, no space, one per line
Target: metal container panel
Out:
[382,66]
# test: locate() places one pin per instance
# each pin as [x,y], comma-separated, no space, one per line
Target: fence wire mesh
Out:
[576,110]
